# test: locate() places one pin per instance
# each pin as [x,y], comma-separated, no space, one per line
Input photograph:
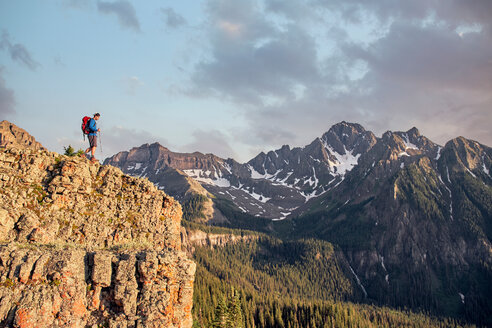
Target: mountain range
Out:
[412,218]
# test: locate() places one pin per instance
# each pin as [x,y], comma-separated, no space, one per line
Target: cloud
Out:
[212,141]
[452,12]
[59,61]
[430,57]
[124,11]
[18,52]
[429,76]
[295,10]
[391,65]
[131,84]
[7,99]
[253,61]
[172,19]
[77,4]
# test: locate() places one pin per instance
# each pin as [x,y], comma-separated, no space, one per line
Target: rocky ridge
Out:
[271,185]
[10,135]
[84,245]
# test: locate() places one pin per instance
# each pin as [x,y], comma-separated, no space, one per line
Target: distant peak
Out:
[345,129]
[158,145]
[463,142]
[349,125]
[414,131]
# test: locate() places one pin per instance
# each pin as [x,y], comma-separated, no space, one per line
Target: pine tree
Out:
[221,314]
[235,313]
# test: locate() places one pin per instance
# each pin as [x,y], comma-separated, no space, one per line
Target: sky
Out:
[235,78]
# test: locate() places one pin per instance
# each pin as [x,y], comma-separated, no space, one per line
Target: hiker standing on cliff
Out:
[92,136]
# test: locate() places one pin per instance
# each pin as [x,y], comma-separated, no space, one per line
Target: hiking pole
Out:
[100,143]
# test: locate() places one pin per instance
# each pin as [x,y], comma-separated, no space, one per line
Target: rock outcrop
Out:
[197,238]
[11,135]
[83,245]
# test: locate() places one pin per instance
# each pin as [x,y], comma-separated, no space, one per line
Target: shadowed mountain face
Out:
[413,218]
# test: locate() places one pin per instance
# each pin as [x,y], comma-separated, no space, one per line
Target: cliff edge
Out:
[84,245]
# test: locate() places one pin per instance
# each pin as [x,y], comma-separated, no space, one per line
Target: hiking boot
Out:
[94,160]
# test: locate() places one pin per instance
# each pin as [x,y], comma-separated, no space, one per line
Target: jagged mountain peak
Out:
[468,144]
[346,137]
[413,132]
[409,143]
[156,145]
[345,130]
[468,155]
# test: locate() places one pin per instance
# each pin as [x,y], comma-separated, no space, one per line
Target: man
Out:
[93,130]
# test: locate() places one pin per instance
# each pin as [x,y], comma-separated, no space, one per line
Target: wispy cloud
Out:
[210,141]
[18,52]
[77,4]
[7,99]
[124,11]
[131,84]
[171,18]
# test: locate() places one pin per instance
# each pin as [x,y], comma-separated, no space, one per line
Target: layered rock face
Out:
[83,245]
[196,238]
[12,135]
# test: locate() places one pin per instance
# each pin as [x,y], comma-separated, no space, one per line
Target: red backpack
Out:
[85,125]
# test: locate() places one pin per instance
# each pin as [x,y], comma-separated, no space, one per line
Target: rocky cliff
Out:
[83,245]
[192,238]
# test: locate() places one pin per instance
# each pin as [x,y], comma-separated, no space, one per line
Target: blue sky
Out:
[239,77]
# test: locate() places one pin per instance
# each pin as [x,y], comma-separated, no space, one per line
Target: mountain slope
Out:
[297,283]
[416,218]
[412,218]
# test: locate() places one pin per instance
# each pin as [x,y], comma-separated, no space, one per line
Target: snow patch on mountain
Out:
[283,217]
[257,175]
[358,281]
[473,175]
[208,178]
[227,167]
[485,169]
[403,153]
[256,196]
[408,144]
[438,153]
[344,162]
[462,297]
[134,167]
[449,191]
